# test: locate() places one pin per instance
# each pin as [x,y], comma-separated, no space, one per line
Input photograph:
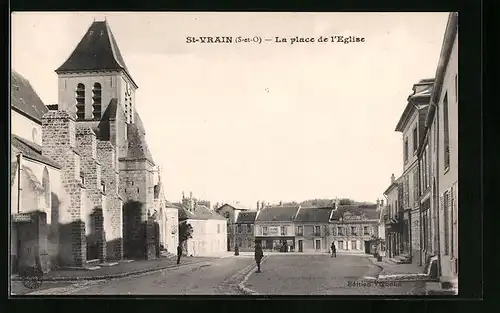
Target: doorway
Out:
[367,247]
[301,245]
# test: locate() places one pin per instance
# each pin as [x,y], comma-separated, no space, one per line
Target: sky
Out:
[254,122]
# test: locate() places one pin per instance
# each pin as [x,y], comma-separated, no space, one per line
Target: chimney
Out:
[382,203]
[393,179]
[258,205]
[378,202]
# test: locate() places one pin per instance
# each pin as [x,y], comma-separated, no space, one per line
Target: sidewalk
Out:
[400,272]
[122,269]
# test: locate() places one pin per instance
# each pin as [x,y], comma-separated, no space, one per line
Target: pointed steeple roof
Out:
[97,50]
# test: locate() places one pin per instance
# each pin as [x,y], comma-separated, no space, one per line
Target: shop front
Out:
[277,243]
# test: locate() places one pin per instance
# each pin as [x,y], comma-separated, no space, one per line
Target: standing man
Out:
[258,255]
[334,250]
[179,253]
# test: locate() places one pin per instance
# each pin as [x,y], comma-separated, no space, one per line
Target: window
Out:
[249,228]
[405,150]
[446,209]
[34,135]
[103,187]
[264,231]
[300,231]
[317,231]
[82,178]
[354,245]
[353,230]
[249,243]
[218,228]
[415,187]
[340,231]
[46,187]
[317,244]
[340,245]
[456,87]
[366,230]
[238,229]
[96,101]
[446,143]
[415,140]
[80,102]
[283,230]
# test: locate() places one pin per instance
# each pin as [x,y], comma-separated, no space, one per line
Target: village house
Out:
[274,226]
[231,211]
[95,138]
[244,231]
[412,125]
[209,234]
[392,218]
[312,229]
[355,228]
[442,121]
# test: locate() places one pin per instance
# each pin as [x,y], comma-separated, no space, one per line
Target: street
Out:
[291,274]
[322,275]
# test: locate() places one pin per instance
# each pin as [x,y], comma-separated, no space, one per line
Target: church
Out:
[82,179]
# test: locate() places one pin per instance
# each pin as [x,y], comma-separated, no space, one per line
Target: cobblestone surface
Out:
[322,275]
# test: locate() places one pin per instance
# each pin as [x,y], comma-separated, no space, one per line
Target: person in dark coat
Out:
[179,253]
[258,255]
[334,250]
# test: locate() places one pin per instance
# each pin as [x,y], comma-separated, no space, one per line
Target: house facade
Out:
[354,228]
[231,212]
[275,226]
[412,126]
[209,229]
[442,121]
[392,218]
[245,231]
[312,229]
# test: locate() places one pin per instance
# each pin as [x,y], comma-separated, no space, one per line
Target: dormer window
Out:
[97,101]
[80,102]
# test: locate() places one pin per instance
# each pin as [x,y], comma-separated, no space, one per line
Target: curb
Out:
[241,285]
[111,276]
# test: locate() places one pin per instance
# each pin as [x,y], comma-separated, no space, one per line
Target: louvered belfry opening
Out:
[97,101]
[80,102]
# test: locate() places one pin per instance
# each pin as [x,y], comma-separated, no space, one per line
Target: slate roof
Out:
[201,213]
[370,211]
[277,213]
[313,214]
[97,50]
[137,144]
[31,150]
[246,217]
[24,98]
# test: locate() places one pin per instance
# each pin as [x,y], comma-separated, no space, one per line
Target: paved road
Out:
[322,275]
[207,278]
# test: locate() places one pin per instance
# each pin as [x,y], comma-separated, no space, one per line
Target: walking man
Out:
[258,255]
[334,250]
[179,253]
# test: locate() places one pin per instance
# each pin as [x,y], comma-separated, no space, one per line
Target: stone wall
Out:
[113,215]
[59,143]
[86,143]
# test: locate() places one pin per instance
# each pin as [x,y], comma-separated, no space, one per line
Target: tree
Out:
[185,232]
